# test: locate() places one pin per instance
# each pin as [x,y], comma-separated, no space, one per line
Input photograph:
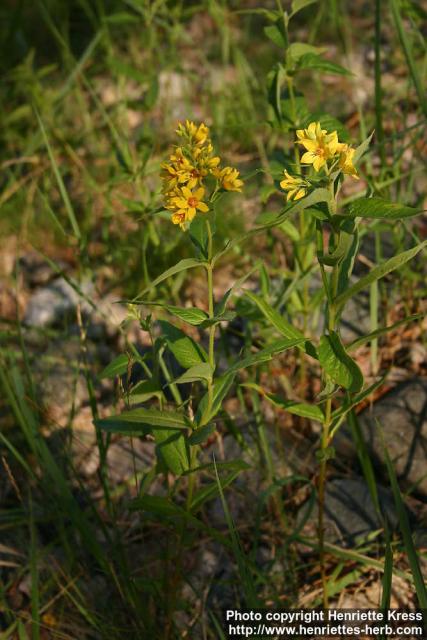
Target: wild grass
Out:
[91,96]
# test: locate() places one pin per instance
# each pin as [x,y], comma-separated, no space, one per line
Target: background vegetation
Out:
[92,544]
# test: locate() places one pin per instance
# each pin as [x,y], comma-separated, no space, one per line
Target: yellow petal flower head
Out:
[179,218]
[190,202]
[346,160]
[197,135]
[228,178]
[295,186]
[320,145]
[185,172]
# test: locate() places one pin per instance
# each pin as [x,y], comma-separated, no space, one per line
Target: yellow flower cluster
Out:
[320,147]
[189,165]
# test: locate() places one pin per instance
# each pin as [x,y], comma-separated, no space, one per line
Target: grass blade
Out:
[244,573]
[61,186]
[395,10]
[405,529]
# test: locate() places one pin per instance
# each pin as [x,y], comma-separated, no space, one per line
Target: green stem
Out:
[209,269]
[331,293]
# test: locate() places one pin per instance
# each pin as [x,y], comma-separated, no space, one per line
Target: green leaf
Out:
[378,272]
[297,5]
[345,242]
[159,505]
[352,401]
[274,220]
[311,411]
[298,49]
[337,363]
[199,235]
[290,230]
[117,367]
[382,331]
[361,149]
[200,435]
[198,372]
[151,95]
[192,315]
[210,491]
[282,326]
[263,355]
[171,448]
[317,63]
[221,387]
[186,351]
[145,390]
[380,208]
[182,265]
[221,306]
[127,70]
[140,421]
[276,35]
[346,266]
[227,316]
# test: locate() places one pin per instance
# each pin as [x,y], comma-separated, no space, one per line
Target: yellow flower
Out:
[229,178]
[174,175]
[320,145]
[346,160]
[296,187]
[179,218]
[196,134]
[49,620]
[190,202]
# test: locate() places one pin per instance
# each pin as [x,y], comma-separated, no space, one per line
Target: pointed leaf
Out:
[117,367]
[378,272]
[361,149]
[221,387]
[201,371]
[317,63]
[275,34]
[297,5]
[380,208]
[311,411]
[182,265]
[140,421]
[171,448]
[186,351]
[201,435]
[282,326]
[264,355]
[337,363]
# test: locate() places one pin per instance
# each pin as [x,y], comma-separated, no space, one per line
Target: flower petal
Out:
[308,158]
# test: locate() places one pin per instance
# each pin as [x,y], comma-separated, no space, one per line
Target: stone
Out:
[36,271]
[50,305]
[355,320]
[350,513]
[402,416]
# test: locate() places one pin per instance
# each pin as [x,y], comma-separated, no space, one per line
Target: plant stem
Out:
[209,269]
[331,292]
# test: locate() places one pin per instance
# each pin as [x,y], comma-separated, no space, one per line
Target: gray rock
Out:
[36,271]
[350,513]
[402,414]
[355,320]
[52,304]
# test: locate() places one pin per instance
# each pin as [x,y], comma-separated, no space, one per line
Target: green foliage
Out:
[338,365]
[87,115]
